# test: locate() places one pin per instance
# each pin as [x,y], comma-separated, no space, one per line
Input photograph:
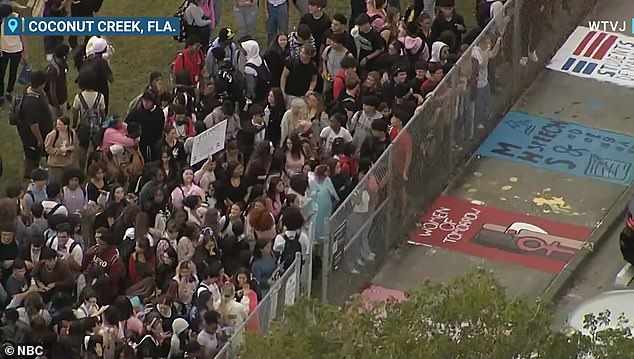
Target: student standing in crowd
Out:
[35,122]
[207,233]
[13,51]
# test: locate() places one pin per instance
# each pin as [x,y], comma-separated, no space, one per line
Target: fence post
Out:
[325,262]
[298,273]
[517,51]
[308,270]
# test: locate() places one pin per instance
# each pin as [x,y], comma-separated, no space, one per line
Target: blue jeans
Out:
[217,13]
[246,18]
[277,21]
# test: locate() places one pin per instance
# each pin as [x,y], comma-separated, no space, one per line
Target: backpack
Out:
[133,104]
[53,210]
[58,71]
[90,121]
[49,244]
[234,84]
[195,294]
[16,109]
[263,81]
[32,195]
[413,57]
[180,14]
[375,17]
[291,247]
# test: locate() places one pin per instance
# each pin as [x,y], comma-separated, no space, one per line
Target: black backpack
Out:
[375,17]
[15,110]
[180,14]
[89,121]
[291,247]
[233,83]
[263,83]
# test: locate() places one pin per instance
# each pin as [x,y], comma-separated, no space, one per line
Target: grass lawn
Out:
[135,57]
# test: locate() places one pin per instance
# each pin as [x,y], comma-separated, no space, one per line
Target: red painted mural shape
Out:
[495,234]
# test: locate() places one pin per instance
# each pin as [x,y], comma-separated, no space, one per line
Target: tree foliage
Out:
[471,317]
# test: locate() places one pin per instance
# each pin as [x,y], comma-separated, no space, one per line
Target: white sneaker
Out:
[533,56]
[360,262]
[354,271]
[370,257]
[524,61]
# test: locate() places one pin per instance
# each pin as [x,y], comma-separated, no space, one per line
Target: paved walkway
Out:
[547,187]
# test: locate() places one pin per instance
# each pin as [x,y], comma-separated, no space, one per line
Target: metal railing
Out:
[441,138]
[283,292]
[296,281]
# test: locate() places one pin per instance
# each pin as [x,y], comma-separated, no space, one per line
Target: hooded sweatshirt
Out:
[339,83]
[108,260]
[255,89]
[415,48]
[497,15]
[192,63]
[436,49]
[179,326]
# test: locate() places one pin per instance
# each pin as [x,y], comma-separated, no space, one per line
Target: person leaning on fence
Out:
[292,240]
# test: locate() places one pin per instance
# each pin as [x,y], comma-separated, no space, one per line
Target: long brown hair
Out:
[275,47]
[260,218]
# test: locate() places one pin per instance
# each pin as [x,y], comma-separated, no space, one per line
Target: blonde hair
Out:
[228,296]
[303,111]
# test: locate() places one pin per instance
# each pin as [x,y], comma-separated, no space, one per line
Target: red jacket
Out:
[107,261]
[428,86]
[193,63]
[349,166]
[339,84]
[133,275]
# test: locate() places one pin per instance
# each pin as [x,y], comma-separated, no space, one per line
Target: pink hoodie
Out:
[412,46]
[113,136]
[208,11]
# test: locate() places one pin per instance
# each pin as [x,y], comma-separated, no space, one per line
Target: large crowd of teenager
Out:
[120,247]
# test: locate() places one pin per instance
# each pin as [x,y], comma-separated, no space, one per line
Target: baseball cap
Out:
[99,46]
[225,34]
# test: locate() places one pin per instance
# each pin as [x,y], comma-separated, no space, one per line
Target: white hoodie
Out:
[178,327]
[436,50]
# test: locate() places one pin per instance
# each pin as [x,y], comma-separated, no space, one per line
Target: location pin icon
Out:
[12,24]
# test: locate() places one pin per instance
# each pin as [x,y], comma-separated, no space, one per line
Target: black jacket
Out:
[151,122]
[441,25]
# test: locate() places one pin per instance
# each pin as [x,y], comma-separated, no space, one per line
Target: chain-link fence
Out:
[283,292]
[296,281]
[441,137]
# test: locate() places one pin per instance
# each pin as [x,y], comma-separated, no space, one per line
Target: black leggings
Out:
[12,62]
